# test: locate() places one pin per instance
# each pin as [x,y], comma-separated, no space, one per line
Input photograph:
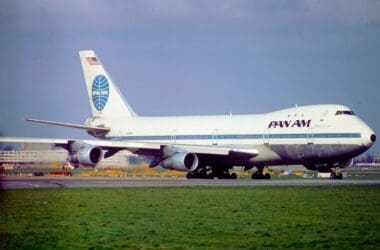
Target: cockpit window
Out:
[344,112]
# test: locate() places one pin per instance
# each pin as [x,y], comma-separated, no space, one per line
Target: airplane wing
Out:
[149,148]
[142,148]
[70,125]
[178,157]
[66,143]
[136,147]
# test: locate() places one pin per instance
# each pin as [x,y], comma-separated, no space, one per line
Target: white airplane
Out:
[320,137]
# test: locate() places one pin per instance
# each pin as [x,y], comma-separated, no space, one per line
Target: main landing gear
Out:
[227,175]
[209,173]
[259,174]
[199,175]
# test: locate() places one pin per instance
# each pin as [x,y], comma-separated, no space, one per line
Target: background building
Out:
[35,155]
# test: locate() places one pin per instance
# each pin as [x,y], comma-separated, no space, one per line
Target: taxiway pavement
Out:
[83,182]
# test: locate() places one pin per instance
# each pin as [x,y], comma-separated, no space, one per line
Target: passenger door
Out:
[215,137]
[310,136]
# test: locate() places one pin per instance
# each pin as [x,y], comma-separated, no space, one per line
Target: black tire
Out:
[267,176]
[189,176]
[332,176]
[233,176]
[224,176]
[256,176]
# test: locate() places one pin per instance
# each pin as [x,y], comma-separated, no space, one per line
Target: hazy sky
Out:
[187,57]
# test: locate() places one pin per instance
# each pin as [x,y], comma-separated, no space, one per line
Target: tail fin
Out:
[105,98]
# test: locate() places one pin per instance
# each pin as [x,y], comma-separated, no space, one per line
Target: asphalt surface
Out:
[82,182]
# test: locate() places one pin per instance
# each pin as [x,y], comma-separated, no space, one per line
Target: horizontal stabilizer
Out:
[70,125]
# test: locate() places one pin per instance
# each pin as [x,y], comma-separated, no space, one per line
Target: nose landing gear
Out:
[336,174]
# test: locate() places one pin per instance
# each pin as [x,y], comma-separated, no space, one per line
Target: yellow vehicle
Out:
[269,171]
[298,173]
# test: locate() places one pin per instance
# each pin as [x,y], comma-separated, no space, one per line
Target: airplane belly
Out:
[295,153]
[303,153]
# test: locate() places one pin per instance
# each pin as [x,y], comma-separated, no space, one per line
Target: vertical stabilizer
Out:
[105,98]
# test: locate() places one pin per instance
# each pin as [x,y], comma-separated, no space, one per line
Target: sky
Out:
[191,57]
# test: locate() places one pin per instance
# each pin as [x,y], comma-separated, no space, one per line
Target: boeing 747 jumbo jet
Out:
[320,137]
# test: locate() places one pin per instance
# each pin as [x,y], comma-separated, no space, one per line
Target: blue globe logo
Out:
[100,92]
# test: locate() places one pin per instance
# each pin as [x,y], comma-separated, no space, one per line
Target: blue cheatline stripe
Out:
[236,136]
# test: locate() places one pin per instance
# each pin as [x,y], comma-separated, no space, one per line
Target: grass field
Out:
[191,217]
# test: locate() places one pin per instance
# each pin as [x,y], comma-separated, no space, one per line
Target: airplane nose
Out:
[373,138]
[369,138]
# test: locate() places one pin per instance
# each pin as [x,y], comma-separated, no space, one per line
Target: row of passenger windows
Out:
[243,136]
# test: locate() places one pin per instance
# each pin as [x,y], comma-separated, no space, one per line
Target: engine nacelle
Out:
[181,161]
[85,154]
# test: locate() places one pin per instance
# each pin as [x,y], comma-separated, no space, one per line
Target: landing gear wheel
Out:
[332,176]
[200,174]
[226,175]
[256,175]
[260,175]
[336,174]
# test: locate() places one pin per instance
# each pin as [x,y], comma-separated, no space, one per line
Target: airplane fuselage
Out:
[300,135]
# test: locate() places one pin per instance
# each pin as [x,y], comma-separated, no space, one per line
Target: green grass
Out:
[191,217]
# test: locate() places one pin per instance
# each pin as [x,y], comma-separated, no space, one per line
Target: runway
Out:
[85,182]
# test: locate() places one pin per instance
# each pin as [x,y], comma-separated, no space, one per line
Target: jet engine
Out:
[85,154]
[181,161]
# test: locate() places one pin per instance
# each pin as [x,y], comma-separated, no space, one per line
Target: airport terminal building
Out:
[10,159]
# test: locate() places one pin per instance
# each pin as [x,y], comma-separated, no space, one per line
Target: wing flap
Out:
[131,146]
[136,147]
[225,151]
